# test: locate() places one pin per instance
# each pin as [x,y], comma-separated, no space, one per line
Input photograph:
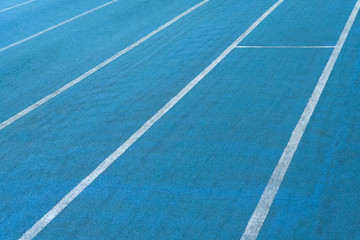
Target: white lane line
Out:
[258,217]
[285,46]
[55,26]
[49,216]
[15,6]
[93,70]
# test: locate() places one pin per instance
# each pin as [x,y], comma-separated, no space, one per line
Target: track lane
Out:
[61,144]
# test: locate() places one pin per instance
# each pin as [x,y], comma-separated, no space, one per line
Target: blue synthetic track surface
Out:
[200,171]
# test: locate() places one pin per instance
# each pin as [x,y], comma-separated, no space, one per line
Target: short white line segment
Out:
[95,69]
[60,206]
[55,26]
[259,215]
[285,46]
[15,6]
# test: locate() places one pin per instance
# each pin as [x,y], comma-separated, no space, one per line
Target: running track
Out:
[187,119]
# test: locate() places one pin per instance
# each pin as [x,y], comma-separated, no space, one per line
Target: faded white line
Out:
[258,217]
[93,70]
[49,216]
[15,6]
[285,46]
[55,26]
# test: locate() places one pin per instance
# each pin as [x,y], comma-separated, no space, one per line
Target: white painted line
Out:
[93,70]
[15,6]
[55,26]
[285,46]
[49,216]
[258,217]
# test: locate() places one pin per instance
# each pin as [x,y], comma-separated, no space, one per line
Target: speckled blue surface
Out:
[199,172]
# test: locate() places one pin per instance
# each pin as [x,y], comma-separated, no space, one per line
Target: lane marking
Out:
[60,206]
[55,26]
[258,217]
[15,6]
[285,46]
[95,69]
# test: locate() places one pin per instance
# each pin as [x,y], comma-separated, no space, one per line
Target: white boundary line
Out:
[258,217]
[15,6]
[285,46]
[49,216]
[55,26]
[95,69]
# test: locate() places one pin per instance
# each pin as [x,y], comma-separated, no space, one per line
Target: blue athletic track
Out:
[179,119]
